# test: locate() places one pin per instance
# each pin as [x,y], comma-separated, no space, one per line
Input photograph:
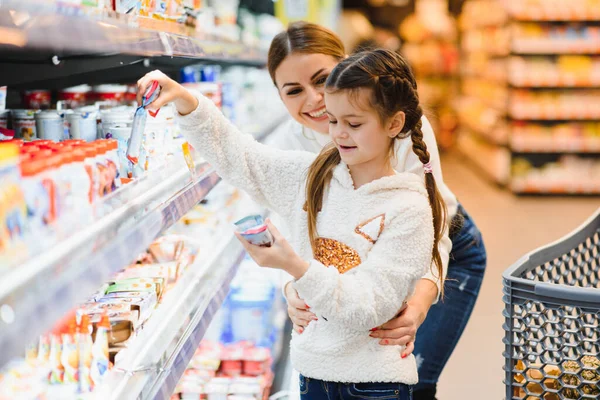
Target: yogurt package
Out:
[255,230]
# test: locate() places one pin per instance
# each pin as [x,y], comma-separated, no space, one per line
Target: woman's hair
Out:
[303,38]
[394,89]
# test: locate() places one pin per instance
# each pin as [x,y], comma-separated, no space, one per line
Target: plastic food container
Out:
[24,124]
[82,125]
[4,114]
[121,134]
[114,94]
[114,118]
[40,99]
[76,96]
[50,125]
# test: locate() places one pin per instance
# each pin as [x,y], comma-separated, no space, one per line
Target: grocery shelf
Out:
[37,293]
[541,187]
[41,25]
[154,361]
[567,145]
[495,136]
[492,161]
[553,47]
[547,85]
[41,40]
[553,117]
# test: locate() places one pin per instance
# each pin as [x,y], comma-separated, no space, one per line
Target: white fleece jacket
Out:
[375,244]
[291,135]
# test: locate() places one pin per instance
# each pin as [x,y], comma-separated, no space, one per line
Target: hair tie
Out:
[428,168]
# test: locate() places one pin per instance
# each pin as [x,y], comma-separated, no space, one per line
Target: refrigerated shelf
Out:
[30,24]
[37,293]
[155,360]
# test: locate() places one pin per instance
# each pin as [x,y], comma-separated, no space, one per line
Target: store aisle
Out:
[511,227]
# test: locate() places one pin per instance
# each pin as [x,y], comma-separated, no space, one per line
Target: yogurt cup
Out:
[114,94]
[24,124]
[82,125]
[37,99]
[4,114]
[76,96]
[50,126]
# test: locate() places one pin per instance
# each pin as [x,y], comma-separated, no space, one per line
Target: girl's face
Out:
[357,131]
[301,83]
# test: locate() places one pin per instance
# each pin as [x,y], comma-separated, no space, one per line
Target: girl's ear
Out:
[396,124]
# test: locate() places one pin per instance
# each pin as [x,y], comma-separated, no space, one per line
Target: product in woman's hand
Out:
[255,231]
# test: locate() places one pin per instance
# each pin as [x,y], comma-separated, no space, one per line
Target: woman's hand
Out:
[402,330]
[279,256]
[298,309]
[170,91]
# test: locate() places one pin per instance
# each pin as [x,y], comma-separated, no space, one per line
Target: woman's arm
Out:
[272,177]
[374,293]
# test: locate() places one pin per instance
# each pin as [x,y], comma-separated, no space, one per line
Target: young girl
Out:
[300,60]
[365,234]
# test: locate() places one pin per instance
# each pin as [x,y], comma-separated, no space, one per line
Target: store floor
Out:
[511,227]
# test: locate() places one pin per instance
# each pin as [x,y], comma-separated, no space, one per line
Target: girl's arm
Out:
[272,177]
[386,278]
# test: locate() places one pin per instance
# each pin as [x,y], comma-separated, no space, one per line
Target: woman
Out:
[300,60]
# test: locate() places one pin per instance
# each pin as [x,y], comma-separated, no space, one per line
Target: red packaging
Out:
[37,99]
[113,94]
[76,96]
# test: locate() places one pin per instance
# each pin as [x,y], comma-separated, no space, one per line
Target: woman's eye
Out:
[332,122]
[321,80]
[294,92]
[355,126]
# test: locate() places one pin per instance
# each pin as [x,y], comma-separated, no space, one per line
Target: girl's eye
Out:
[294,92]
[355,126]
[332,122]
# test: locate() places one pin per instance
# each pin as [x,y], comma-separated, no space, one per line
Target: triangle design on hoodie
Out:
[372,228]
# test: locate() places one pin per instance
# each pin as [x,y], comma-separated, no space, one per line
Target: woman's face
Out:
[301,80]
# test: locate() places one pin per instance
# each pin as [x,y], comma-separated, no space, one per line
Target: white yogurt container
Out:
[82,125]
[50,126]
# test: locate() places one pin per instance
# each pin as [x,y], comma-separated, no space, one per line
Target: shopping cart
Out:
[552,315]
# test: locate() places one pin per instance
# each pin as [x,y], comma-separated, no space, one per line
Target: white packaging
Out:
[122,135]
[50,126]
[2,97]
[4,114]
[82,125]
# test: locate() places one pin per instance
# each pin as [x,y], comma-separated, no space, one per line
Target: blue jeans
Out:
[314,389]
[433,346]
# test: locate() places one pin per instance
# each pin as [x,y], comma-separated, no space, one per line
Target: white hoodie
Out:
[374,244]
[291,135]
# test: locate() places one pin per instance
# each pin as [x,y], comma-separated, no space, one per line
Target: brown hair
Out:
[394,89]
[303,37]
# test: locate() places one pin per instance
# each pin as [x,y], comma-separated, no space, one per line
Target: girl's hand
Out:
[170,91]
[279,256]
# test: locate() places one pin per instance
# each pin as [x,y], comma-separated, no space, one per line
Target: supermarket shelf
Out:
[557,117]
[535,145]
[37,25]
[492,161]
[36,294]
[558,85]
[538,187]
[494,135]
[554,47]
[40,40]
[155,360]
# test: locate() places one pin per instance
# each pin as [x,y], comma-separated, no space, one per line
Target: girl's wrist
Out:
[297,268]
[185,102]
